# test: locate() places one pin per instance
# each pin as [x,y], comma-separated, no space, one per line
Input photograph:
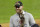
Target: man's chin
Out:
[18,12]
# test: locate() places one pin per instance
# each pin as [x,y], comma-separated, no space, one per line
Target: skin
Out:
[19,10]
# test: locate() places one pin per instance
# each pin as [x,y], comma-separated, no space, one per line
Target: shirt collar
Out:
[23,12]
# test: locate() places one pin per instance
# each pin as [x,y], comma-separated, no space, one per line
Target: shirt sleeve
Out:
[11,22]
[31,20]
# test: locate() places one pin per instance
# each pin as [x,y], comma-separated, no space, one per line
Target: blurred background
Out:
[7,9]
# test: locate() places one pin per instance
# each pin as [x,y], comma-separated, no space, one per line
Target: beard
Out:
[19,11]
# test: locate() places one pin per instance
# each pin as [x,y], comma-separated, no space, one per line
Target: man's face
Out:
[18,10]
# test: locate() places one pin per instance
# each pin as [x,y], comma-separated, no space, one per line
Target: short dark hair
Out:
[19,4]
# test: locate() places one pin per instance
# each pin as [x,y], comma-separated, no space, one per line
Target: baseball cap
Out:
[18,4]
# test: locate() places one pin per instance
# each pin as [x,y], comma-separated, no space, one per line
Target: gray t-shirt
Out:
[15,20]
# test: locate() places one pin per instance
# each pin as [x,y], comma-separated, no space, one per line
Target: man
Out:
[22,18]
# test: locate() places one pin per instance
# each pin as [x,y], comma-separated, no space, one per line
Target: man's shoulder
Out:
[13,15]
[28,13]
